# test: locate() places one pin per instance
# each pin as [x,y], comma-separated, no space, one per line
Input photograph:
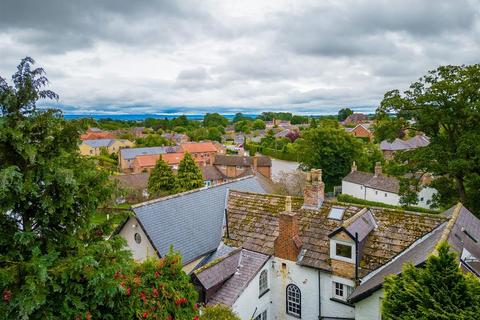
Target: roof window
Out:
[336,213]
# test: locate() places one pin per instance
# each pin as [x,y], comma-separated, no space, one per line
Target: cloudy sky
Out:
[125,56]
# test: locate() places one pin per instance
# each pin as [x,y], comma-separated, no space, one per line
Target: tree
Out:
[331,149]
[55,262]
[243,126]
[438,291]
[189,175]
[344,113]
[299,119]
[214,120]
[214,134]
[313,123]
[152,140]
[258,124]
[443,105]
[239,117]
[218,312]
[161,180]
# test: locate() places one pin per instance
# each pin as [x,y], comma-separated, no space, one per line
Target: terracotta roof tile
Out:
[197,147]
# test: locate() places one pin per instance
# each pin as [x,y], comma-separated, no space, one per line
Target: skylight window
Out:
[336,213]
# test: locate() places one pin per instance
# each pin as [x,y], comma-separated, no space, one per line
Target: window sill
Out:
[263,293]
[341,301]
[294,315]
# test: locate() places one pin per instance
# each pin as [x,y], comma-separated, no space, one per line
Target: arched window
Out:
[294,301]
[263,282]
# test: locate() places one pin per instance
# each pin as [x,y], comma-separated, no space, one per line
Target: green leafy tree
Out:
[331,149]
[189,175]
[152,140]
[258,124]
[299,119]
[214,134]
[217,312]
[239,117]
[243,126]
[214,120]
[444,105]
[438,291]
[162,179]
[344,113]
[313,123]
[55,262]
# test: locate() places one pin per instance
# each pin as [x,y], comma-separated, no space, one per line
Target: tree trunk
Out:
[461,189]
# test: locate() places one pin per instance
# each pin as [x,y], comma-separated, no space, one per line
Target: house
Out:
[278,123]
[201,152]
[212,176]
[191,222]
[146,162]
[355,118]
[95,133]
[361,131]
[94,147]
[237,166]
[380,188]
[126,157]
[177,138]
[311,258]
[389,148]
[135,184]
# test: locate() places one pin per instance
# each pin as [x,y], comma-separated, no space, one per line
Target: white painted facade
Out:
[370,307]
[140,251]
[281,273]
[249,304]
[366,193]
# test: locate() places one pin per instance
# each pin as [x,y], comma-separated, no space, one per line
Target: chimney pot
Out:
[314,193]
[288,204]
[354,166]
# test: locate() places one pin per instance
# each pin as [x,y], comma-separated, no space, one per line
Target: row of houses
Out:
[278,257]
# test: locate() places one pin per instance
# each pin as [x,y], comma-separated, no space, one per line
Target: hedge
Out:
[278,154]
[350,199]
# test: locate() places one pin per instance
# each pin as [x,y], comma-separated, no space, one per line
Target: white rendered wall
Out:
[353,189]
[427,195]
[140,251]
[249,304]
[379,196]
[332,308]
[370,307]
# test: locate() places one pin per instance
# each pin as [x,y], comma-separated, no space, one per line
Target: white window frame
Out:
[295,304]
[344,288]
[333,250]
[261,316]
[263,282]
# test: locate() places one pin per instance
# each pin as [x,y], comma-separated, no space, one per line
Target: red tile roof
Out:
[97,135]
[172,158]
[146,160]
[199,147]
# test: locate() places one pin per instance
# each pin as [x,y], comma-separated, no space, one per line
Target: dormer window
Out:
[342,250]
[336,213]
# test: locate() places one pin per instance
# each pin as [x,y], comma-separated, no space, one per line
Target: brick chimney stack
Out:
[255,164]
[354,167]
[288,243]
[378,169]
[314,193]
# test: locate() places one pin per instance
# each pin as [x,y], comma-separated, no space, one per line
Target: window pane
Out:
[343,250]
[293,300]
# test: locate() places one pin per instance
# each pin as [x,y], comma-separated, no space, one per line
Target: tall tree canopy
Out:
[445,105]
[189,175]
[55,263]
[438,291]
[344,113]
[214,120]
[162,180]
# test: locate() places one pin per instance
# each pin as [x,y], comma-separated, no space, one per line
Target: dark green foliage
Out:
[56,259]
[162,180]
[349,199]
[298,119]
[269,116]
[244,126]
[218,312]
[152,140]
[258,124]
[214,120]
[444,105]
[344,113]
[189,175]
[438,291]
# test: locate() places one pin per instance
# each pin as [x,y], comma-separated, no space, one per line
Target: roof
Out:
[191,221]
[250,263]
[356,117]
[135,181]
[211,173]
[99,143]
[173,158]
[196,147]
[380,182]
[93,135]
[453,232]
[219,269]
[147,160]
[241,161]
[398,144]
[253,225]
[131,153]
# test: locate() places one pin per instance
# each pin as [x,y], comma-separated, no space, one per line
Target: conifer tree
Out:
[438,291]
[189,175]
[162,179]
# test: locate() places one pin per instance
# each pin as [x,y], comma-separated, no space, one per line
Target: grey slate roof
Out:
[250,264]
[131,153]
[398,144]
[211,173]
[380,182]
[98,143]
[241,161]
[219,270]
[191,221]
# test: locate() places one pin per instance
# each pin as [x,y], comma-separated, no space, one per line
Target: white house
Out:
[380,188]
